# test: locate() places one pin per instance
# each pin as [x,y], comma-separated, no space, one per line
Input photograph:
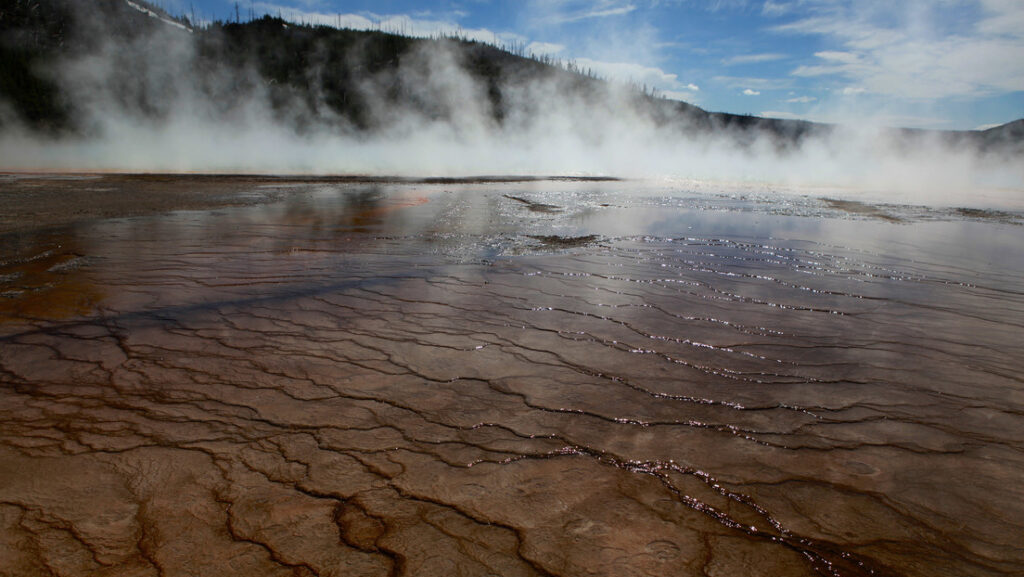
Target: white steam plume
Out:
[224,122]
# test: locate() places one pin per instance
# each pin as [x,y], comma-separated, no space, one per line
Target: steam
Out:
[143,107]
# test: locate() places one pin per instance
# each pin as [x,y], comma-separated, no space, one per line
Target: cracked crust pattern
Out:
[353,383]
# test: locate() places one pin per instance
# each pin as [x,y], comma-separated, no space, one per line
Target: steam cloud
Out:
[143,108]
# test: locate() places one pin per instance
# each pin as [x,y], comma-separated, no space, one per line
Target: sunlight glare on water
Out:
[548,377]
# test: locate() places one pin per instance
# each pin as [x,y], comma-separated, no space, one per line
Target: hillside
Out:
[310,75]
[67,66]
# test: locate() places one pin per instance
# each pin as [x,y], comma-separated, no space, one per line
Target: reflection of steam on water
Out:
[145,109]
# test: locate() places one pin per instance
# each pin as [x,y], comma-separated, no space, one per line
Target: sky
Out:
[942,64]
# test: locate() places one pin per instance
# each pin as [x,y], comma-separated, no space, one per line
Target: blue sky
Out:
[950,64]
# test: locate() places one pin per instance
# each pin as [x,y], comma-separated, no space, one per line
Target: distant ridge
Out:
[314,76]
[1011,130]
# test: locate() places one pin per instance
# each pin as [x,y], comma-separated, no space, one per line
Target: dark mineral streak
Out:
[397,380]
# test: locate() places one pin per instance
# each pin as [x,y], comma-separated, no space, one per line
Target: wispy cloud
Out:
[755,83]
[770,8]
[637,74]
[916,54]
[628,70]
[752,58]
[721,5]
[800,100]
[555,12]
[606,12]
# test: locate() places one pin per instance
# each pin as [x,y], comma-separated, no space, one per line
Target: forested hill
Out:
[63,62]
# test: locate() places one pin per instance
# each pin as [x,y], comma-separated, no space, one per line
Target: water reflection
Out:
[684,385]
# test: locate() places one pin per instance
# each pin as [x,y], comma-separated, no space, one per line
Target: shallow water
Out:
[539,378]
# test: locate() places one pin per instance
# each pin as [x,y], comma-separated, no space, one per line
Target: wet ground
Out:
[510,378]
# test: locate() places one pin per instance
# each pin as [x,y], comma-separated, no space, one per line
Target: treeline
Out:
[311,75]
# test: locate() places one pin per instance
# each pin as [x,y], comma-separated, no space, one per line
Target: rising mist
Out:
[153,97]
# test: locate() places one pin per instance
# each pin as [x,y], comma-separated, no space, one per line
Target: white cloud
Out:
[1004,17]
[424,25]
[837,56]
[837,62]
[628,71]
[719,5]
[918,52]
[754,83]
[749,92]
[801,100]
[554,12]
[665,83]
[812,71]
[775,8]
[688,93]
[607,12]
[752,58]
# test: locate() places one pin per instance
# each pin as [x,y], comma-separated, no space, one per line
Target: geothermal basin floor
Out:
[298,376]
